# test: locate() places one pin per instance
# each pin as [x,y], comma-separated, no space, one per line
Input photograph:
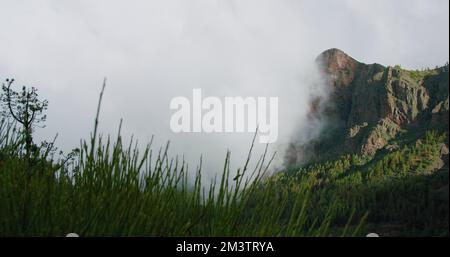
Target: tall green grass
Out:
[109,188]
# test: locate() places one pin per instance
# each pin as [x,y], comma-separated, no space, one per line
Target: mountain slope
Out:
[370,105]
[383,148]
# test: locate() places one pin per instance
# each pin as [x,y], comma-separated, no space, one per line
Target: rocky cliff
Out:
[371,105]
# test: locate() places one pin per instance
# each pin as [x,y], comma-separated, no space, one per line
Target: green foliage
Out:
[25,108]
[400,187]
[119,192]
[108,188]
[421,74]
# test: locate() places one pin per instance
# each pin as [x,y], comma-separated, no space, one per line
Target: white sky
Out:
[152,51]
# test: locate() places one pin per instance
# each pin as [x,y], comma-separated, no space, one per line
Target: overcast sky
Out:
[152,51]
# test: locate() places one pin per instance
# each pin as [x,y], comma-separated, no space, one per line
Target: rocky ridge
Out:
[370,105]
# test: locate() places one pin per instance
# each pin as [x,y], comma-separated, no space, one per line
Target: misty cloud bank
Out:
[152,51]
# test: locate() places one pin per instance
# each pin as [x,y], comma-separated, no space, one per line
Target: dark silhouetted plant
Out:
[26,108]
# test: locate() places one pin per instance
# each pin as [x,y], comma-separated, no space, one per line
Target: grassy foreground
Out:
[108,189]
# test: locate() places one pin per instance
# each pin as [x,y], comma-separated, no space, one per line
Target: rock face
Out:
[370,104]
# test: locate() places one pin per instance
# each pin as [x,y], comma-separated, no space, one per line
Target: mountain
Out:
[381,149]
[371,107]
